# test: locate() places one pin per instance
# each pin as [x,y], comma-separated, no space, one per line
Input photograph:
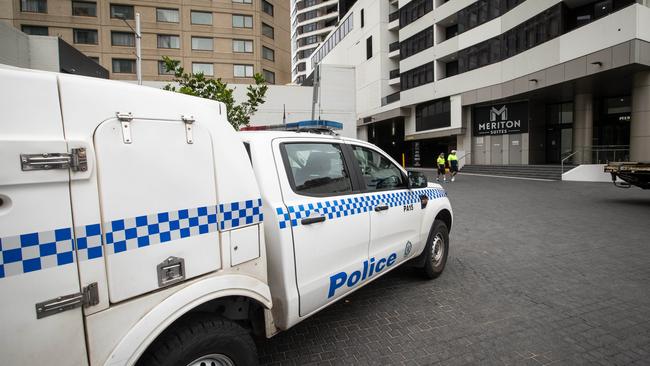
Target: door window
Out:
[378,171]
[316,168]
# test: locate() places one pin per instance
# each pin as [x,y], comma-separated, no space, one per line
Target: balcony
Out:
[393,21]
[393,50]
[393,77]
[392,98]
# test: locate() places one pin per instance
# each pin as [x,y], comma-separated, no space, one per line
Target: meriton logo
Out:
[503,112]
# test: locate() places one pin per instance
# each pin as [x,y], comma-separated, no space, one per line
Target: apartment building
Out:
[230,39]
[311,22]
[501,81]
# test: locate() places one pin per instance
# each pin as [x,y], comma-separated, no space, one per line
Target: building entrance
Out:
[559,132]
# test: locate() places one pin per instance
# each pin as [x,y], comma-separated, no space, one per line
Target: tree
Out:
[198,85]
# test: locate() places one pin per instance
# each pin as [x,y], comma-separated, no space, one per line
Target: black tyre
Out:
[436,250]
[202,340]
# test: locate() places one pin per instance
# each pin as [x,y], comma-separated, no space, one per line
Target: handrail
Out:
[565,159]
[463,157]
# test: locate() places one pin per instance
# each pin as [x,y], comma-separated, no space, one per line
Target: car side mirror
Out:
[417,180]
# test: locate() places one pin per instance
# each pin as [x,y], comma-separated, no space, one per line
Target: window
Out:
[122,11]
[85,36]
[243,71]
[242,45]
[433,114]
[125,39]
[167,15]
[202,43]
[96,59]
[242,21]
[378,171]
[201,17]
[162,70]
[84,8]
[243,1]
[268,31]
[416,43]
[268,53]
[169,41]
[414,11]
[451,31]
[336,36]
[316,168]
[451,68]
[418,76]
[368,48]
[203,68]
[33,6]
[34,30]
[269,76]
[123,66]
[362,18]
[267,7]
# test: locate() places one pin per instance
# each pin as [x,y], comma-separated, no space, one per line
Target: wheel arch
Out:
[184,302]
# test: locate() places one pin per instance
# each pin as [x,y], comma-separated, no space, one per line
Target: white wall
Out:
[14,46]
[588,173]
[337,100]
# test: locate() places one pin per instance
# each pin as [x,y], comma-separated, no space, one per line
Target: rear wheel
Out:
[202,340]
[436,250]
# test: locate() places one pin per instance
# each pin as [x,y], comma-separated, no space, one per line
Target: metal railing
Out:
[463,160]
[597,154]
[390,99]
[393,74]
[393,46]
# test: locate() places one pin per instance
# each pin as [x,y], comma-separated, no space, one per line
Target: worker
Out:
[440,162]
[453,164]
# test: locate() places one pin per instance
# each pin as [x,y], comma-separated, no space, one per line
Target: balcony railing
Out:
[393,16]
[393,46]
[393,74]
[390,99]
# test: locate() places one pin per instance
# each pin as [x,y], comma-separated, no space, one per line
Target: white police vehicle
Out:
[137,228]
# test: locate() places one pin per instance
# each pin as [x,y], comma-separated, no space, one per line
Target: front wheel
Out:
[436,250]
[203,340]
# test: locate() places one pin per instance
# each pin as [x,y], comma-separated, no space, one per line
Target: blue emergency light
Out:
[308,125]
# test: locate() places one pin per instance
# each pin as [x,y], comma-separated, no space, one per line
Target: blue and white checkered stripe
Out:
[146,230]
[235,214]
[35,251]
[342,207]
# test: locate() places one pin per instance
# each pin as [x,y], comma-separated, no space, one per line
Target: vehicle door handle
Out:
[381,208]
[312,220]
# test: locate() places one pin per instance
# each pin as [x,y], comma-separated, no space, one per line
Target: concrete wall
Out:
[14,46]
[337,100]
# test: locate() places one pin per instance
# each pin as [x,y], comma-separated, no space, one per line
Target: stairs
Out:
[552,172]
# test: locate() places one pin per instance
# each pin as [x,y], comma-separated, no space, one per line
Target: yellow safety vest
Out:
[452,157]
[441,161]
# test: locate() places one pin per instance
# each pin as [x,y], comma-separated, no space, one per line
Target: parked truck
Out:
[138,227]
[631,173]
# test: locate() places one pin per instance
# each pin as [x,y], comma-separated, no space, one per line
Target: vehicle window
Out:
[317,168]
[378,172]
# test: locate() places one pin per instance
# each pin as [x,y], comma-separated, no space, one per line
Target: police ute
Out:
[137,227]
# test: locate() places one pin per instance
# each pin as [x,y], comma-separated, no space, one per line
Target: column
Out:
[583,128]
[640,122]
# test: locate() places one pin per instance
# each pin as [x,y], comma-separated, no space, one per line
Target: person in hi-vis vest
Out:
[440,163]
[453,164]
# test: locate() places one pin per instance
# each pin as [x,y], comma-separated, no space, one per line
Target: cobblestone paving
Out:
[539,273]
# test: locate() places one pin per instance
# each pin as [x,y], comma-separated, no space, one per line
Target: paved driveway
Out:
[539,273]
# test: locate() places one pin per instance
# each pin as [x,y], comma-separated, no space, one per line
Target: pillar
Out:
[583,128]
[640,120]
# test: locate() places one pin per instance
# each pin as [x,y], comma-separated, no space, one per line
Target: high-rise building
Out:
[229,39]
[502,81]
[311,22]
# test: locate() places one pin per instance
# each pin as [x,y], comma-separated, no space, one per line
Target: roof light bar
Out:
[298,126]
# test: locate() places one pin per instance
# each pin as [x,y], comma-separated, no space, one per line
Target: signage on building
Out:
[501,119]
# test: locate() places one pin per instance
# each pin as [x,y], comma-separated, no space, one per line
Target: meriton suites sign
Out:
[501,119]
